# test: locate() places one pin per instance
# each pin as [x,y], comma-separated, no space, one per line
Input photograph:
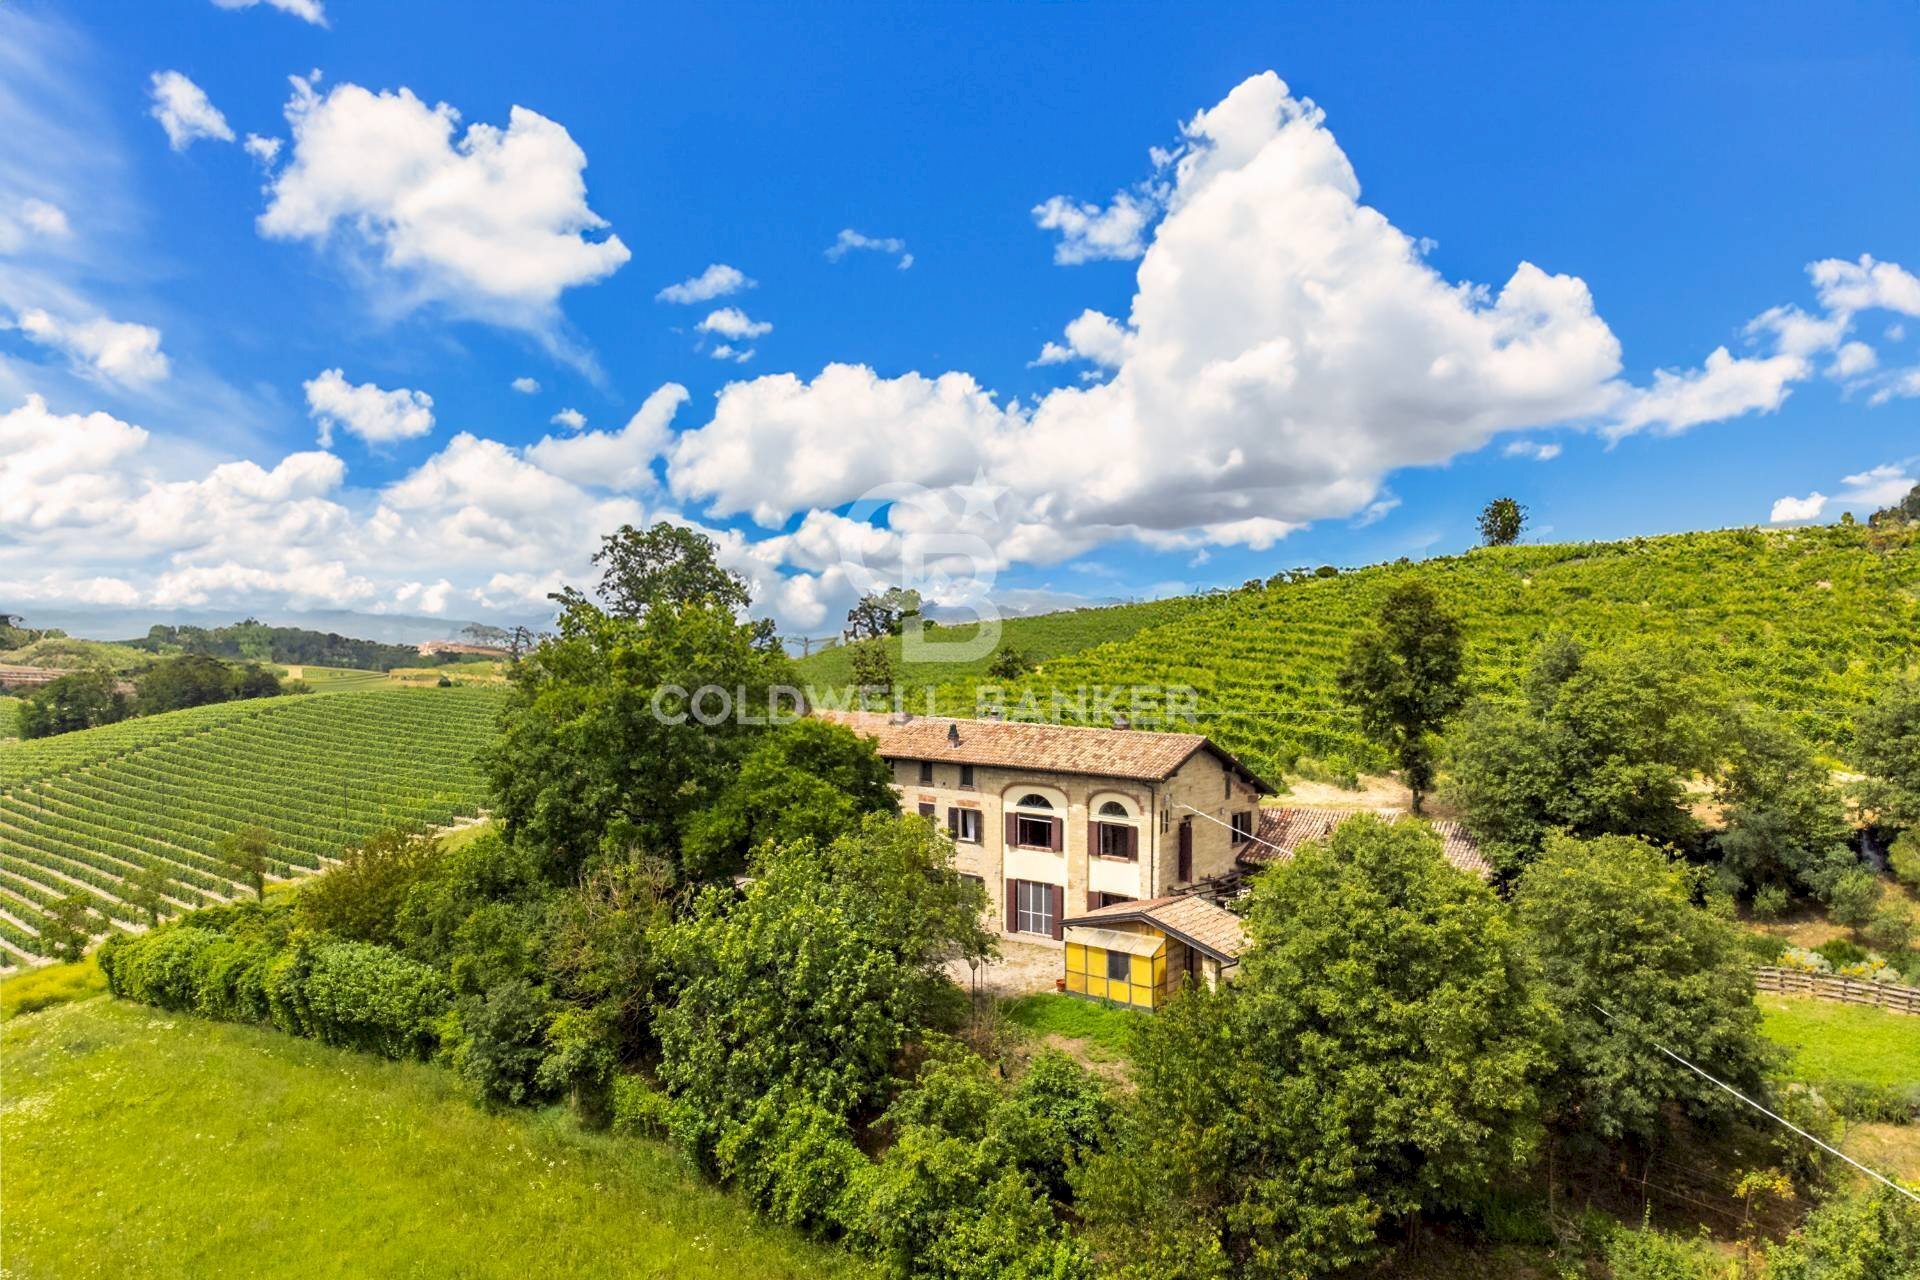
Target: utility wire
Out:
[1876,1176]
[1181,804]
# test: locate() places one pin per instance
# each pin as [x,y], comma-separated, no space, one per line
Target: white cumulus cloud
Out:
[571,419]
[732,322]
[1728,386]
[125,352]
[614,459]
[365,410]
[491,222]
[526,386]
[1788,510]
[184,111]
[717,281]
[850,240]
[309,10]
[1536,450]
[1089,232]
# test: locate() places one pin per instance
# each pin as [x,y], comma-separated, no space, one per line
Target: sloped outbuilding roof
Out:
[1189,917]
[1284,829]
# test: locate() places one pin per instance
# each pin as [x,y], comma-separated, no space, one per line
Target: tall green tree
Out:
[1405,677]
[83,700]
[872,669]
[804,779]
[1634,965]
[618,730]
[1601,742]
[245,852]
[811,982]
[146,890]
[1784,822]
[1379,1054]
[68,924]
[1887,750]
[882,614]
[1501,522]
[668,565]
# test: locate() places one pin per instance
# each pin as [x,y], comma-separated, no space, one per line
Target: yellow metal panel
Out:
[1077,982]
[1142,970]
[1096,986]
[1076,958]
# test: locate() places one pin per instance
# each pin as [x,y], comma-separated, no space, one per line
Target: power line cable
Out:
[1824,1146]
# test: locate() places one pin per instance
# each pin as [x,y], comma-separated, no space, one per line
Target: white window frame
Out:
[1033,907]
[962,820]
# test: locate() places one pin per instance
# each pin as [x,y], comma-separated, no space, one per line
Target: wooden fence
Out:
[1825,986]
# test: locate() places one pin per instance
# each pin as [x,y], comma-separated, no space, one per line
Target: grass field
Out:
[1808,620]
[82,811]
[141,1144]
[1106,1028]
[1844,1042]
[332,679]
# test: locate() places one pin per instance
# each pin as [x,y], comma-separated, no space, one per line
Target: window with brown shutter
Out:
[926,809]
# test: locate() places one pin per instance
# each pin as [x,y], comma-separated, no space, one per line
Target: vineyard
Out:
[84,811]
[1806,621]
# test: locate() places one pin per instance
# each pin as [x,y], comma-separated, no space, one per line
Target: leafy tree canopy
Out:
[882,614]
[600,739]
[1501,522]
[806,778]
[815,978]
[1784,821]
[668,565]
[1405,677]
[83,700]
[1602,742]
[1887,750]
[1612,926]
[1379,1053]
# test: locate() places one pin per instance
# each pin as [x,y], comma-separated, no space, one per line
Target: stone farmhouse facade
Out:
[1056,821]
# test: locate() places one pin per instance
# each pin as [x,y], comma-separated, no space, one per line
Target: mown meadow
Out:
[143,1144]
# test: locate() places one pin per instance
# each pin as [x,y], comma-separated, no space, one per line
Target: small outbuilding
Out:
[1138,953]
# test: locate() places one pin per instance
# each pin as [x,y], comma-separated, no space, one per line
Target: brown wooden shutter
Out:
[1057,907]
[953,822]
[1011,819]
[926,810]
[1186,849]
[1013,906]
[1056,833]
[1093,838]
[1133,843]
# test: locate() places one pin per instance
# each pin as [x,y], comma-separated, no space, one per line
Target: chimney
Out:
[1121,722]
[953,734]
[900,717]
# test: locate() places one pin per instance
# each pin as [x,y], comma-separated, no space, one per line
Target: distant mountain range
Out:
[131,624]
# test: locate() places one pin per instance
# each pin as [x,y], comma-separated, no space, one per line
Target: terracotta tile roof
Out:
[1289,828]
[1188,917]
[1140,754]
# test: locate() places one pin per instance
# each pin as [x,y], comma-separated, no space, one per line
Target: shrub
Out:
[1891,929]
[1805,961]
[503,1039]
[1872,1235]
[156,968]
[368,997]
[1903,855]
[793,1158]
[361,898]
[639,1109]
[1852,897]
[1647,1254]
[1770,902]
[1840,953]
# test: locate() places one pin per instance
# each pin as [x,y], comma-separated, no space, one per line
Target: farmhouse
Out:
[1059,820]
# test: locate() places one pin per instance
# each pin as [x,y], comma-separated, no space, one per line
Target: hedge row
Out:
[353,994]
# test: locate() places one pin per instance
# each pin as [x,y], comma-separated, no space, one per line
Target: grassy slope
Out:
[144,1144]
[1844,1042]
[1808,619]
[1041,638]
[66,651]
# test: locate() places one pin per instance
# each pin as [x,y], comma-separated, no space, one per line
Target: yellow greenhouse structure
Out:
[1138,953]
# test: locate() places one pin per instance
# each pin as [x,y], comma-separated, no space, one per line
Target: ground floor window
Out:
[967,879]
[1033,907]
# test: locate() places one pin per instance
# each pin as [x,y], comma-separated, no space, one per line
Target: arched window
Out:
[1114,809]
[1112,834]
[1034,800]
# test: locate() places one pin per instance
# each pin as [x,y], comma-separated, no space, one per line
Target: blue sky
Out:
[1279,374]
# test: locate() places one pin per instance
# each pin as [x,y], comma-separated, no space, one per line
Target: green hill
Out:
[1039,638]
[1806,620]
[83,810]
